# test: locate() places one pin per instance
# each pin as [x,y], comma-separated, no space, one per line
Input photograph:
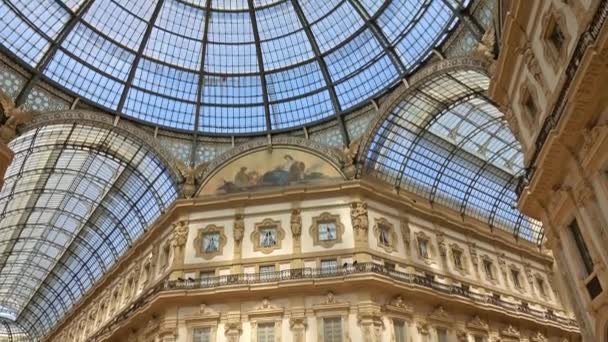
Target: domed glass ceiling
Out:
[225,66]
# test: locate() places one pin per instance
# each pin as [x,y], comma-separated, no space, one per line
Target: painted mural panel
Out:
[270,168]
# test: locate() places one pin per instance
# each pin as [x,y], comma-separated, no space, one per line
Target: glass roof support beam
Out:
[440,108]
[140,51]
[50,53]
[487,163]
[258,51]
[453,152]
[87,221]
[380,36]
[324,70]
[502,192]
[465,16]
[200,85]
[41,183]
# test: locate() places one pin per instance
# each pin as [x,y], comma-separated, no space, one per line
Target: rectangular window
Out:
[399,330]
[581,246]
[487,266]
[442,335]
[211,242]
[327,231]
[201,335]
[267,272]
[265,332]
[480,339]
[457,256]
[329,266]
[515,276]
[268,237]
[423,248]
[332,329]
[540,283]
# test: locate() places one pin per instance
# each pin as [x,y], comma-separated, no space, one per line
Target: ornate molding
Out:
[476,323]
[388,242]
[198,241]
[510,331]
[430,250]
[326,218]
[267,223]
[464,267]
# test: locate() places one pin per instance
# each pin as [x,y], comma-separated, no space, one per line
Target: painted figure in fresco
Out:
[289,171]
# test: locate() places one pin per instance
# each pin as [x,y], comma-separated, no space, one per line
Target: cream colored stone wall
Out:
[236,310]
[359,310]
[570,163]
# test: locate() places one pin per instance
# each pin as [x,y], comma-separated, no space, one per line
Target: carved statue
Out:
[405,232]
[358,213]
[190,176]
[443,250]
[349,154]
[14,118]
[239,228]
[485,48]
[473,252]
[180,234]
[330,299]
[296,222]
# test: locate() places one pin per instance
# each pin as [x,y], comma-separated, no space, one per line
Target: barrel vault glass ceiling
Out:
[75,199]
[225,66]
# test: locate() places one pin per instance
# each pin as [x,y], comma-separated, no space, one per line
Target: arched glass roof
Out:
[447,142]
[12,332]
[75,198]
[225,66]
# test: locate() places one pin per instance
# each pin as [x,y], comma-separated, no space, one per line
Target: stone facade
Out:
[560,49]
[370,291]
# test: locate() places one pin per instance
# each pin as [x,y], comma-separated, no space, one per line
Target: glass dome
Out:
[225,66]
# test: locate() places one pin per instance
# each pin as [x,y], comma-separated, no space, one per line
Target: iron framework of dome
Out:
[225,66]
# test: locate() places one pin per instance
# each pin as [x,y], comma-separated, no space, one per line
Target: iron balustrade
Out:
[416,280]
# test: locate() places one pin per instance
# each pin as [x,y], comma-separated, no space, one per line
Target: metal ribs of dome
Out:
[225,67]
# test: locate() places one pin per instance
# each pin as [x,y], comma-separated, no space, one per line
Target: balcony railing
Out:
[426,281]
[586,39]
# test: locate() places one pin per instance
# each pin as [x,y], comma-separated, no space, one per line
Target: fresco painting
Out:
[263,169]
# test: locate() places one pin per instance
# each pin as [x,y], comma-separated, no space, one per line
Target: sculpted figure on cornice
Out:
[190,177]
[239,228]
[10,118]
[360,221]
[348,158]
[296,222]
[180,234]
[406,233]
[485,48]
